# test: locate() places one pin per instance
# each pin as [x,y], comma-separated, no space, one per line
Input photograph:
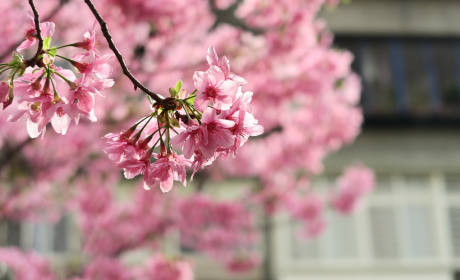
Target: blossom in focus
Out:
[224,65]
[47,29]
[89,44]
[214,88]
[168,168]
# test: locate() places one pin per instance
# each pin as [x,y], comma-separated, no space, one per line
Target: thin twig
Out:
[16,45]
[33,61]
[105,31]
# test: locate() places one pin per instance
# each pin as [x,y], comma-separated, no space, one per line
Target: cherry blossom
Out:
[214,89]
[47,30]
[89,44]
[297,103]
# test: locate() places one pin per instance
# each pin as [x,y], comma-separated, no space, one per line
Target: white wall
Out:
[415,17]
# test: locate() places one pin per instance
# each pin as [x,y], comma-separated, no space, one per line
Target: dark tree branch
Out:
[11,153]
[227,16]
[33,61]
[16,45]
[105,31]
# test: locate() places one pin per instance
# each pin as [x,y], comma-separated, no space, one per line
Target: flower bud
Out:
[81,67]
[129,132]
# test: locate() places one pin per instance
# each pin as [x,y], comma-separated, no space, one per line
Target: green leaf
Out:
[150,99]
[178,86]
[191,101]
[173,92]
[52,51]
[47,43]
[158,112]
[17,61]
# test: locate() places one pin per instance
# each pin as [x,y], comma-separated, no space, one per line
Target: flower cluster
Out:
[355,183]
[48,93]
[163,268]
[224,230]
[310,108]
[214,122]
[26,266]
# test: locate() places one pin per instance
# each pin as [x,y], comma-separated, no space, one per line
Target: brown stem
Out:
[105,31]
[33,61]
[16,45]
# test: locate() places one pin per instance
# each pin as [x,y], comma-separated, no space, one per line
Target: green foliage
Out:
[52,51]
[173,92]
[47,43]
[178,86]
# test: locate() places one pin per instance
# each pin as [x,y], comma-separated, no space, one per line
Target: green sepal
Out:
[174,122]
[52,51]
[150,100]
[21,71]
[16,62]
[178,86]
[173,92]
[158,112]
[161,119]
[47,43]
[191,101]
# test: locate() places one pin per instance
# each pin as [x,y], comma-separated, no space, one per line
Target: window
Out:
[407,77]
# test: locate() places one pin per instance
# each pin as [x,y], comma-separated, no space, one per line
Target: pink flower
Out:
[138,165]
[47,29]
[6,95]
[134,167]
[352,186]
[243,263]
[214,88]
[26,266]
[224,65]
[161,268]
[4,91]
[89,44]
[99,69]
[61,115]
[217,131]
[118,148]
[194,136]
[165,170]
[66,73]
[199,161]
[106,269]
[35,116]
[246,126]
[85,93]
[29,85]
[309,210]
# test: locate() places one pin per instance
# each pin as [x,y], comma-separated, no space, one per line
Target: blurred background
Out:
[408,55]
